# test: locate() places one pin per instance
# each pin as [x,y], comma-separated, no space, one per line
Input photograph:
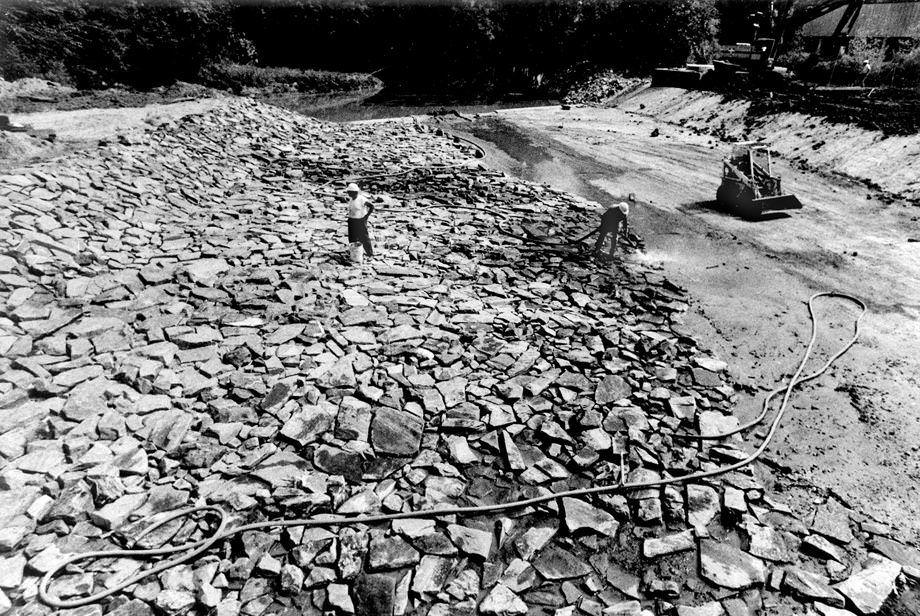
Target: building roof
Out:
[880,19]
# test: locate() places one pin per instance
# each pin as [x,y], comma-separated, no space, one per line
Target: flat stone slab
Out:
[500,601]
[712,608]
[580,515]
[557,564]
[869,588]
[396,433]
[612,388]
[832,521]
[906,556]
[308,423]
[653,547]
[472,541]
[767,543]
[729,567]
[811,586]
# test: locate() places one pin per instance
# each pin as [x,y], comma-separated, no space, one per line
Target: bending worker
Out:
[359,210]
[610,225]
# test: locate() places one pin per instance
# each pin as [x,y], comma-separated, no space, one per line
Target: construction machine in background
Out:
[770,32]
[781,21]
[749,187]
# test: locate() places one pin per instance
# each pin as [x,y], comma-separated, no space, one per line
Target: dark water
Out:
[547,162]
[392,104]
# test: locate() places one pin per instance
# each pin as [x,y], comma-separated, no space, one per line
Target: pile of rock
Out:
[601,87]
[183,328]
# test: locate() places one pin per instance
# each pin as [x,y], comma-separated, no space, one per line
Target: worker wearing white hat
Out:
[610,225]
[359,210]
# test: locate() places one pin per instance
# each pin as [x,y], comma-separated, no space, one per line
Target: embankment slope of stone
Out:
[182,328]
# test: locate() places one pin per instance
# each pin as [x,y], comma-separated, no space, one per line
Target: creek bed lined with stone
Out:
[182,327]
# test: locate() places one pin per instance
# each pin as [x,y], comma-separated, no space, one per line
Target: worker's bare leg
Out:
[614,240]
[600,240]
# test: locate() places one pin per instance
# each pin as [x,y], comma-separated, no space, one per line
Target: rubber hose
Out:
[766,402]
[504,231]
[444,166]
[197,547]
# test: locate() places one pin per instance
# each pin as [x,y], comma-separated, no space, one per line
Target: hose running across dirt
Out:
[195,548]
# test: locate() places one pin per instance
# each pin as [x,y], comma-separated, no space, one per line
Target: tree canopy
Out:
[143,43]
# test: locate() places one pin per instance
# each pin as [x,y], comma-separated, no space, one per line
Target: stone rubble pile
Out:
[600,87]
[182,328]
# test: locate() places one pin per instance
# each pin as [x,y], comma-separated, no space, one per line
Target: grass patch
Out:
[237,77]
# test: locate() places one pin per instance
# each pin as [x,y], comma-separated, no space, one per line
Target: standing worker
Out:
[867,68]
[359,210]
[610,225]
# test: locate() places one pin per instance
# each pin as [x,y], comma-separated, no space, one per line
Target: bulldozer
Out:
[749,188]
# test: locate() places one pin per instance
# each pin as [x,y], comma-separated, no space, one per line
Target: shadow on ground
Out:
[712,206]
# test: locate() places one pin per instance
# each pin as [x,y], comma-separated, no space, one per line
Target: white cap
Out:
[352,188]
[624,207]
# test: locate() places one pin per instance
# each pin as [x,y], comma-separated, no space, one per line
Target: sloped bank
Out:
[183,329]
[888,162]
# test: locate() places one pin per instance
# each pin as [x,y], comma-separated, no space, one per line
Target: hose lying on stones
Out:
[456,206]
[193,549]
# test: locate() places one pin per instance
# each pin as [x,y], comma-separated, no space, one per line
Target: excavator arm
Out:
[793,14]
[790,15]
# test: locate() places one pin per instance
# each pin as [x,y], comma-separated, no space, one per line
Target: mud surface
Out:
[34,95]
[854,432]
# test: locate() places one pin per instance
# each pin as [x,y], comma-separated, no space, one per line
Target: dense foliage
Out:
[91,43]
[228,76]
[463,42]
[889,65]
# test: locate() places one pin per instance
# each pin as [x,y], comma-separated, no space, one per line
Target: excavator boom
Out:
[796,13]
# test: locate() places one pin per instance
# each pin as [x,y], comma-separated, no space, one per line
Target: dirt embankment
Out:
[37,95]
[31,95]
[54,133]
[53,118]
[888,162]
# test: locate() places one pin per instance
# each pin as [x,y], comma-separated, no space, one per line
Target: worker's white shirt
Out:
[606,208]
[357,207]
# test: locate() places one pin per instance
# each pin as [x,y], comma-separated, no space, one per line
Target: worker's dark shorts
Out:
[610,227]
[357,230]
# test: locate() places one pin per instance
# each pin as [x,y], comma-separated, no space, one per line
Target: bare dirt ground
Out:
[854,432]
[887,161]
[91,124]
[77,129]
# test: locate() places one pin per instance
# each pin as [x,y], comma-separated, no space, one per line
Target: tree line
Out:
[440,44]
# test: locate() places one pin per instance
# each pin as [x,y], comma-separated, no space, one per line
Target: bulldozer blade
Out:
[778,203]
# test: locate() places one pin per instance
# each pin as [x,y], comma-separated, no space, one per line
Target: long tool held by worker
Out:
[190,550]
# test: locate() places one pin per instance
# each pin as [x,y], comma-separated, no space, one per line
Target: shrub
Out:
[905,68]
[137,42]
[228,76]
[480,42]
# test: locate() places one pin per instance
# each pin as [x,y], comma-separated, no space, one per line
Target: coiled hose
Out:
[195,548]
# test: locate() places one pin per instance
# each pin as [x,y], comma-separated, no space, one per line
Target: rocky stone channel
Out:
[182,328]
